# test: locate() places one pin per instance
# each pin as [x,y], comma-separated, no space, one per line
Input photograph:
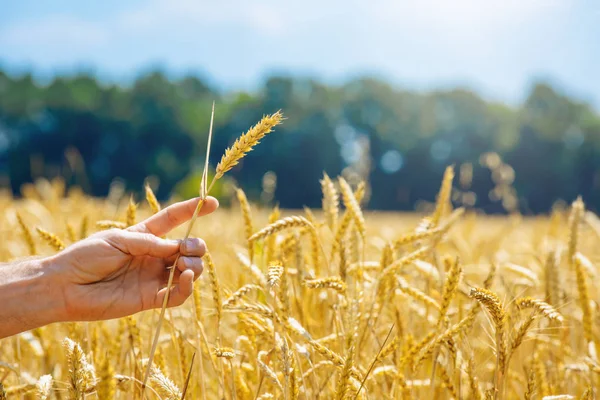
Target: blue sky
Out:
[495,47]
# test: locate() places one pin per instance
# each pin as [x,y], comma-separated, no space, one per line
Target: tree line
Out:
[524,157]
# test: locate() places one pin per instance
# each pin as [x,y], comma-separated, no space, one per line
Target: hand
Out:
[116,273]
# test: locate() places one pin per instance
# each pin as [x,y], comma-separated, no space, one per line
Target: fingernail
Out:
[186,262]
[191,245]
[174,241]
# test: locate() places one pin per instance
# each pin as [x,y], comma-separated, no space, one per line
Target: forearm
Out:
[30,296]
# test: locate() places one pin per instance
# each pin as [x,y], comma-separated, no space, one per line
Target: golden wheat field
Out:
[338,303]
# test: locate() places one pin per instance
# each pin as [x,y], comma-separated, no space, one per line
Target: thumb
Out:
[145,244]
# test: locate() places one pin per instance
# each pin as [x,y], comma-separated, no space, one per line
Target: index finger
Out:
[176,214]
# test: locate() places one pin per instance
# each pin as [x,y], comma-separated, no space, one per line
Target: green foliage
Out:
[158,127]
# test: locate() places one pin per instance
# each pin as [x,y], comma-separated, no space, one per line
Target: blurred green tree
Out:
[400,141]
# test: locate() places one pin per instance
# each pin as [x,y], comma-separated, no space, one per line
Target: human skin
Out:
[110,274]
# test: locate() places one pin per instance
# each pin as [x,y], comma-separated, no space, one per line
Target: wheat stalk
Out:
[26,235]
[417,294]
[225,352]
[278,226]
[443,197]
[270,244]
[541,306]
[51,239]
[452,280]
[236,296]
[106,387]
[108,224]
[167,389]
[331,282]
[130,214]
[347,218]
[269,373]
[274,274]
[446,336]
[474,386]
[71,232]
[18,390]
[352,206]
[151,199]
[520,333]
[552,279]
[490,301]
[331,202]
[584,297]
[577,211]
[246,142]
[214,285]
[83,227]
[247,214]
[44,387]
[541,381]
[82,375]
[341,392]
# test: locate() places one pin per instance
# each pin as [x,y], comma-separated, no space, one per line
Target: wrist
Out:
[30,295]
[51,285]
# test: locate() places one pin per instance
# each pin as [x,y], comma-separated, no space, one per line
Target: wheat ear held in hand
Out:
[230,159]
[246,142]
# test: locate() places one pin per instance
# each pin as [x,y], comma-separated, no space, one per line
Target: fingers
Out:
[179,291]
[193,264]
[171,217]
[192,250]
[193,247]
[143,244]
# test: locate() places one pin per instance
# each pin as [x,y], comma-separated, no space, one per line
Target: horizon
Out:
[104,80]
[497,50]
